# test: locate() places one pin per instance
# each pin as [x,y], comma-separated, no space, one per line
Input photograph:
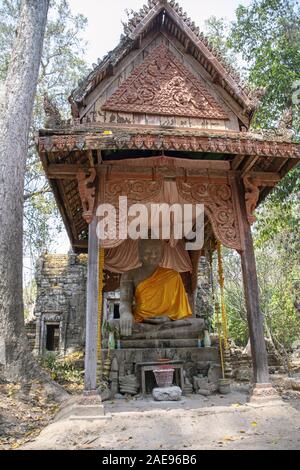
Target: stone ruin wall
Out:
[61,300]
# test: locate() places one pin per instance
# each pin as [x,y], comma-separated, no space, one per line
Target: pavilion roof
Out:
[170,16]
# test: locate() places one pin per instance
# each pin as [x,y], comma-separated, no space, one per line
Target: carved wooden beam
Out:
[82,244]
[252,193]
[171,162]
[87,190]
[69,171]
[289,166]
[265,178]
[250,162]
[237,161]
[62,171]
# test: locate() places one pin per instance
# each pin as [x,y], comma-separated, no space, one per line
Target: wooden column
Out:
[251,291]
[92,311]
[255,318]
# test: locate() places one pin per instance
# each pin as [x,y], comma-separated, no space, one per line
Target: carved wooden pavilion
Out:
[164,106]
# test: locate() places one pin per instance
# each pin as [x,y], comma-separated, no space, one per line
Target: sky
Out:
[104,19]
[104,29]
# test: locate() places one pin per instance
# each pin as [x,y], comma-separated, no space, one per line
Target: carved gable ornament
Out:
[162,85]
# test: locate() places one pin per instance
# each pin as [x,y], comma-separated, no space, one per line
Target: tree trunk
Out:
[15,117]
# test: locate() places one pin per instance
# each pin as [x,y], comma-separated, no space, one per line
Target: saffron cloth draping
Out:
[162,294]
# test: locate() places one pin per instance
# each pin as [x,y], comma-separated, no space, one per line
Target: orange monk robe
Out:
[162,294]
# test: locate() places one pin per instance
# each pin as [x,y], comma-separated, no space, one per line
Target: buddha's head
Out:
[151,252]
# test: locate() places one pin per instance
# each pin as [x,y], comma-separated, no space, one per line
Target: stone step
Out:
[30,332]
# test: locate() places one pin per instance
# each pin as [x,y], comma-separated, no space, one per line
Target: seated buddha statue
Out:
[153,300]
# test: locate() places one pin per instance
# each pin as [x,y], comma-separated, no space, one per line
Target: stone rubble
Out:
[167,394]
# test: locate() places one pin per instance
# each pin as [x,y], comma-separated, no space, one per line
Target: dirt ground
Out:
[22,417]
[195,423]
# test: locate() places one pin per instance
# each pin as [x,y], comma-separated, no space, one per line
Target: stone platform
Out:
[195,360]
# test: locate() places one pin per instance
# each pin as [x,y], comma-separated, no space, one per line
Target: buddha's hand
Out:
[126,322]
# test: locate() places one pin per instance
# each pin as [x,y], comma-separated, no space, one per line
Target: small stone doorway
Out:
[52,337]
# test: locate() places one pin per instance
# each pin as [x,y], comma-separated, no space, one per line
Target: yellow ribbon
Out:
[217,312]
[100,308]
[223,307]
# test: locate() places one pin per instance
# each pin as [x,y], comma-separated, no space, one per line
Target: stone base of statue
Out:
[130,362]
[188,328]
[176,334]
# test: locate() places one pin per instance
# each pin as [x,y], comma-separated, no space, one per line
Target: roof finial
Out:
[53,117]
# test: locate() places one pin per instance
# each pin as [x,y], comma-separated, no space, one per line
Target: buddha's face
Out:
[151,252]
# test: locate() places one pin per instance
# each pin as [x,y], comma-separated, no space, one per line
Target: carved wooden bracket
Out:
[251,197]
[86,186]
[218,200]
[219,206]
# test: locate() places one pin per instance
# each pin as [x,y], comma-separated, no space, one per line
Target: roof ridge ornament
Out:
[52,115]
[139,21]
[139,16]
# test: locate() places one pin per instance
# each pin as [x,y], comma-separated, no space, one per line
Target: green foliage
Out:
[9,13]
[278,273]
[217,31]
[278,278]
[62,65]
[267,34]
[63,370]
[279,222]
[265,40]
[234,298]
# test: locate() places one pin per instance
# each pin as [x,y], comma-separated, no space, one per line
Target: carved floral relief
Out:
[163,85]
[219,207]
[217,199]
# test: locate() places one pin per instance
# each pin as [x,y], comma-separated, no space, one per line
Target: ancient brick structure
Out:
[60,304]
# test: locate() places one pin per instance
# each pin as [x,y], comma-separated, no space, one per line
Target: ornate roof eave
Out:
[148,138]
[71,156]
[136,27]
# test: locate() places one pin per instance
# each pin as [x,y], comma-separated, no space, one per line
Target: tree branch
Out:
[36,193]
